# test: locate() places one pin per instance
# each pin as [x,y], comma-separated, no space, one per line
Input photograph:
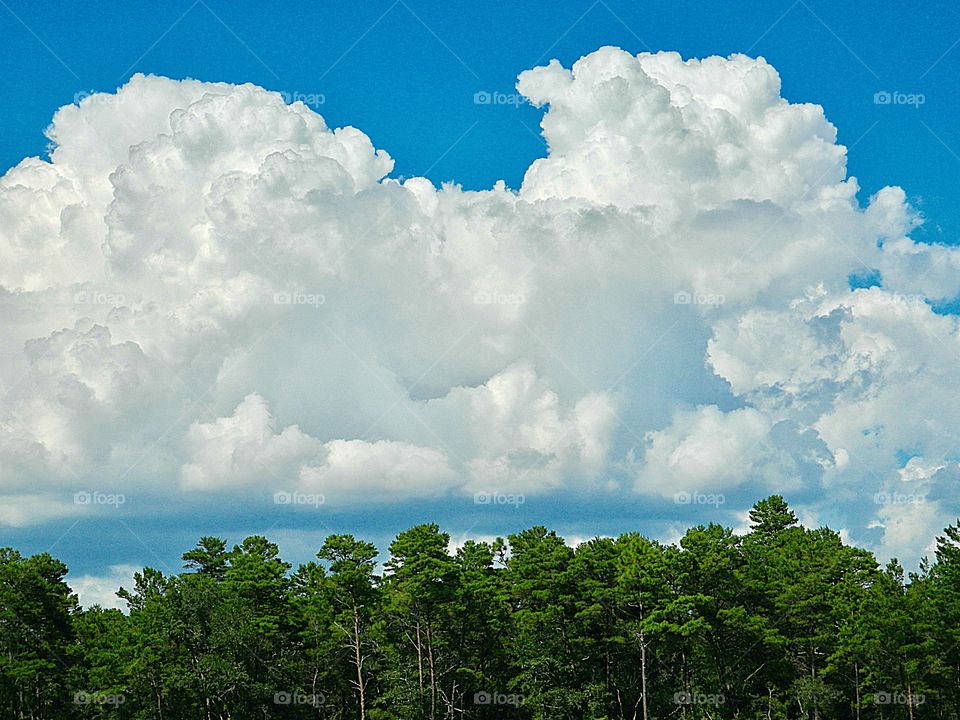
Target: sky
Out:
[405,73]
[697,284]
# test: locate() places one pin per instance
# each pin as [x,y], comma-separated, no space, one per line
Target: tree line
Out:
[782,622]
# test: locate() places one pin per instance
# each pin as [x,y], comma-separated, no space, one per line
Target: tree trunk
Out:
[420,661]
[643,665]
[813,676]
[358,661]
[156,691]
[433,677]
[856,688]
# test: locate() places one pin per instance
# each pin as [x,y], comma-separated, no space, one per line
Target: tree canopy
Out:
[783,622]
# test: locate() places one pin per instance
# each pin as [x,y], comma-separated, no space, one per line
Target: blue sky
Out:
[406,73]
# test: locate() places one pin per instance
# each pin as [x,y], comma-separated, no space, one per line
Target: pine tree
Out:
[356,599]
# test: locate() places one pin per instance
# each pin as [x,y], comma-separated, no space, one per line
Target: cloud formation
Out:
[207,290]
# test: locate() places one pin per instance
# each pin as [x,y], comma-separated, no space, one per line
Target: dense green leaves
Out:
[782,622]
[36,632]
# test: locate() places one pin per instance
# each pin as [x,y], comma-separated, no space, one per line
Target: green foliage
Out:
[781,623]
[36,609]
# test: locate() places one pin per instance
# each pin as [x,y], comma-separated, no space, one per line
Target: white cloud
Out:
[706,450]
[519,437]
[235,451]
[385,469]
[204,282]
[26,509]
[102,589]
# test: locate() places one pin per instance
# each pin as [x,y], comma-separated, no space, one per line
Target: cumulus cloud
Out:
[208,290]
[102,589]
[235,451]
[709,450]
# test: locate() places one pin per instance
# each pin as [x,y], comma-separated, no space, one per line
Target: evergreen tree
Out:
[782,623]
[35,633]
[355,598]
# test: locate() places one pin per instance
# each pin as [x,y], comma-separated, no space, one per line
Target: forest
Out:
[779,622]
